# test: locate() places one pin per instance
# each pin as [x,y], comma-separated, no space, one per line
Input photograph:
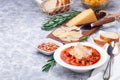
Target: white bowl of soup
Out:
[80,56]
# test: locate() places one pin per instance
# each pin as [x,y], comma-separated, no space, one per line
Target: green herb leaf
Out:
[50,63]
[84,39]
[58,20]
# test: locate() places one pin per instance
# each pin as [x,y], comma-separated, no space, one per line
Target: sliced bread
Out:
[99,41]
[55,6]
[59,7]
[109,36]
[50,6]
[106,37]
[65,6]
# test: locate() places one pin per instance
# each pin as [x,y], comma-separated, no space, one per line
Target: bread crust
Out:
[104,38]
[63,5]
[51,11]
[99,41]
[67,5]
[58,8]
[109,39]
[52,7]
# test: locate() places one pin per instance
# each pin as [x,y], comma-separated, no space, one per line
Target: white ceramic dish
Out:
[102,60]
[45,41]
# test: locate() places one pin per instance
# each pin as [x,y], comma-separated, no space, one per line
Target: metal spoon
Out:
[112,50]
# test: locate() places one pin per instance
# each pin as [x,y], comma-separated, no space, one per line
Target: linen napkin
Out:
[97,73]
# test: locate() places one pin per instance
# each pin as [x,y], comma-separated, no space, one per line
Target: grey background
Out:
[20,32]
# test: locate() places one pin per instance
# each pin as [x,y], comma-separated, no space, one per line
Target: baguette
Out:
[50,6]
[65,6]
[58,8]
[106,37]
[55,6]
[109,36]
[99,41]
[68,5]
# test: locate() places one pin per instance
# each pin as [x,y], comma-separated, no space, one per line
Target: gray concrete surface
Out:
[20,32]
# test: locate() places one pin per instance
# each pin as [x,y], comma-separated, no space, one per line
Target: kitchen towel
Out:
[97,73]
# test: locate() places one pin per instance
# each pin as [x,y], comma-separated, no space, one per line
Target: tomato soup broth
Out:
[91,59]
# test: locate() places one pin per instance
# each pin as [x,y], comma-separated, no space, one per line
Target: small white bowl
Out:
[102,60]
[45,41]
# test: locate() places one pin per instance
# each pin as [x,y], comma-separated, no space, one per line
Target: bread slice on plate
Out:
[50,6]
[109,36]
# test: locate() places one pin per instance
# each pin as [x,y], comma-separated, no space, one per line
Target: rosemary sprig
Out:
[50,63]
[58,20]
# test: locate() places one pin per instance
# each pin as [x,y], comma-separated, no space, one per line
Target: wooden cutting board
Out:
[84,32]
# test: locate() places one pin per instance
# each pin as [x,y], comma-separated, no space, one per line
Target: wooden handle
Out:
[104,21]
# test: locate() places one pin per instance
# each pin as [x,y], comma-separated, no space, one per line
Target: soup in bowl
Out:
[80,56]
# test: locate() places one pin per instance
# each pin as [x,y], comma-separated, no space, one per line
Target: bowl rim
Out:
[103,59]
